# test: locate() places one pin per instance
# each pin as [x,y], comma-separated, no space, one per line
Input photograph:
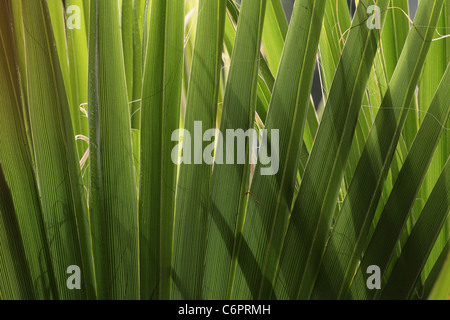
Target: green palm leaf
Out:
[117,120]
[230,179]
[192,202]
[160,116]
[113,192]
[313,211]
